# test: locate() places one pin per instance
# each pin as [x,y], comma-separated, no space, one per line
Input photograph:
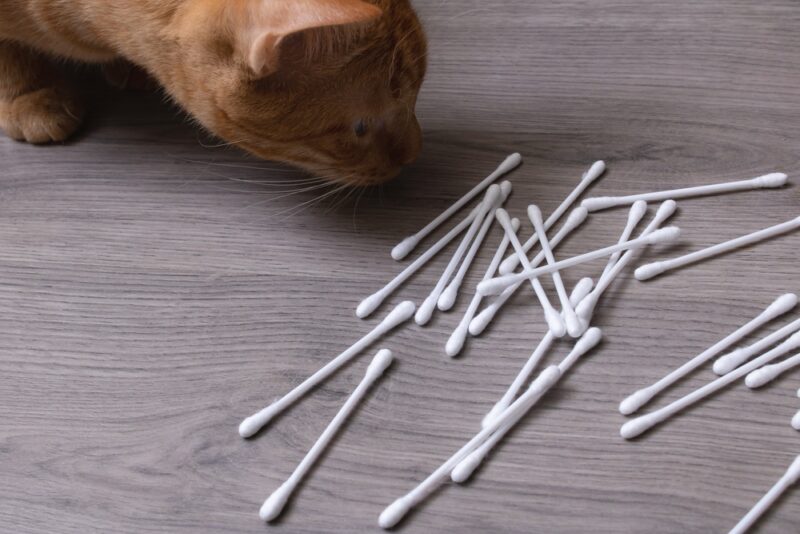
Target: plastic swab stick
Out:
[369,304]
[727,363]
[567,311]
[554,320]
[464,469]
[635,216]
[490,202]
[777,179]
[576,218]
[448,297]
[400,507]
[789,479]
[496,285]
[402,249]
[275,503]
[645,272]
[634,427]
[636,400]
[585,308]
[768,373]
[594,172]
[580,291]
[456,341]
[403,312]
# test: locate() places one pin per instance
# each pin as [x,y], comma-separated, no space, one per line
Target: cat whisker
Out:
[291,212]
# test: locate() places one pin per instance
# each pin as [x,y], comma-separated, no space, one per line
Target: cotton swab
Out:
[569,317]
[369,304]
[275,503]
[490,202]
[727,363]
[400,507]
[456,341]
[637,426]
[594,172]
[576,218]
[554,320]
[448,297]
[645,272]
[579,292]
[635,216]
[796,421]
[464,469]
[789,479]
[403,312]
[402,249]
[768,373]
[777,179]
[636,400]
[496,285]
[585,308]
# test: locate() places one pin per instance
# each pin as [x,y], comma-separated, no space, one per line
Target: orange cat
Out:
[328,85]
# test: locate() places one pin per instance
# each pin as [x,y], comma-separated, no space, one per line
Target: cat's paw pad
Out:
[44,116]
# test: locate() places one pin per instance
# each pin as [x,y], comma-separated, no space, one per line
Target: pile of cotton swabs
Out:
[506,274]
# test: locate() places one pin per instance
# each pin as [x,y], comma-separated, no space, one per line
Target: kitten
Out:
[327,85]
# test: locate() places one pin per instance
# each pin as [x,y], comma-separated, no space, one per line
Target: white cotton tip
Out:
[505,189]
[400,314]
[456,341]
[598,203]
[545,380]
[775,179]
[586,306]
[275,503]
[256,422]
[496,410]
[666,210]
[782,304]
[393,513]
[503,217]
[493,195]
[555,322]
[637,426]
[637,212]
[508,265]
[663,235]
[382,360]
[492,286]
[464,469]
[404,247]
[576,218]
[595,171]
[535,215]
[634,401]
[727,363]
[425,311]
[448,298]
[796,421]
[759,377]
[575,327]
[479,323]
[650,270]
[798,392]
[510,163]
[588,341]
[369,305]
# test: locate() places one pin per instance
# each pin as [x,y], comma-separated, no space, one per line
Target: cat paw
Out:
[44,116]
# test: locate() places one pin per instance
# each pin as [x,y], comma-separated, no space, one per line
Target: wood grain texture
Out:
[154,291]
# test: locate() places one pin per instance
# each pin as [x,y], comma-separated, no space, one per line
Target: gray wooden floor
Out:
[153,293]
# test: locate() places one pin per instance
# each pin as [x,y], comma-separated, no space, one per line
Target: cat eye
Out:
[360,128]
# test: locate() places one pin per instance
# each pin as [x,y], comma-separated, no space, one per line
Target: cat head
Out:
[326,85]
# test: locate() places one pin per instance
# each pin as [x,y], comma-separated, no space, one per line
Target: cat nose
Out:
[407,144]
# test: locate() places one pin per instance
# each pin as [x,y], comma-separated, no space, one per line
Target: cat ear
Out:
[274,21]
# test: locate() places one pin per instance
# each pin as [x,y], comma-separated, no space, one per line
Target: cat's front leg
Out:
[37,104]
